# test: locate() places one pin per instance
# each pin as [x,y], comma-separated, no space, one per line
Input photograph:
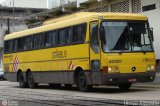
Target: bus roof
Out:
[74,19]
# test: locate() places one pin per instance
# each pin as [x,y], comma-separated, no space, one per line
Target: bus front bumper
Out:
[118,78]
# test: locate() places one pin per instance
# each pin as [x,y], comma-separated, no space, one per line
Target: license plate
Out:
[132,80]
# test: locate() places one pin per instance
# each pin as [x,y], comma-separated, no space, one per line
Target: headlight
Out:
[151,68]
[113,69]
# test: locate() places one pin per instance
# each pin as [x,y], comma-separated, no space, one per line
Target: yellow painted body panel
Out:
[56,59]
[126,61]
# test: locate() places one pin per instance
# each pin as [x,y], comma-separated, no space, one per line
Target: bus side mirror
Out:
[151,32]
[102,34]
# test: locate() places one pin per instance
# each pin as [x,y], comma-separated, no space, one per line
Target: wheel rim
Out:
[82,80]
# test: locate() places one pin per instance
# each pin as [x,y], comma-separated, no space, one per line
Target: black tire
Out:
[125,86]
[21,80]
[30,80]
[82,82]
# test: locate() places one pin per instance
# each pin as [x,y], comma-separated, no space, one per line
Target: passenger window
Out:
[27,42]
[79,32]
[14,49]
[82,32]
[10,46]
[76,33]
[54,38]
[38,41]
[61,36]
[6,47]
[70,33]
[67,38]
[20,44]
[48,36]
[94,37]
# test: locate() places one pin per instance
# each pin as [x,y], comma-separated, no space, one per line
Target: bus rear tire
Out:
[82,82]
[31,82]
[21,80]
[125,86]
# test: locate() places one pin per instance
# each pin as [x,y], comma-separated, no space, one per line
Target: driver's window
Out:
[94,37]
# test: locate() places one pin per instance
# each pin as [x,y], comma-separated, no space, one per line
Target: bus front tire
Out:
[82,82]
[30,80]
[125,86]
[21,81]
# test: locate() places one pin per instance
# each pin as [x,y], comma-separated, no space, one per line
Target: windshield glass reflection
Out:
[126,37]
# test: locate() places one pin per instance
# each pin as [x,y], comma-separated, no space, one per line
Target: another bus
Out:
[83,49]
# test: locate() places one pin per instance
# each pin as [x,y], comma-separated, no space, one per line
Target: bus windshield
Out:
[126,36]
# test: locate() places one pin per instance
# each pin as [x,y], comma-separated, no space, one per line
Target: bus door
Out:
[95,53]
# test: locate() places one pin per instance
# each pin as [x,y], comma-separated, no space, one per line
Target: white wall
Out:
[57,3]
[149,2]
[154,21]
[53,3]
[26,3]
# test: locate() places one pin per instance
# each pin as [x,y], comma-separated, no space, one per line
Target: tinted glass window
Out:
[20,44]
[62,36]
[15,45]
[54,38]
[6,46]
[79,32]
[38,41]
[10,46]
[27,42]
[70,33]
[48,39]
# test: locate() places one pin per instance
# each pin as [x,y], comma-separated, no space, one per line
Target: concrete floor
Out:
[101,96]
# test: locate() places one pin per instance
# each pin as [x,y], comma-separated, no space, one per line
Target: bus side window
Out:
[67,40]
[70,34]
[54,38]
[48,39]
[94,37]
[6,47]
[79,32]
[20,44]
[61,36]
[82,35]
[11,46]
[75,32]
[38,41]
[15,45]
[27,42]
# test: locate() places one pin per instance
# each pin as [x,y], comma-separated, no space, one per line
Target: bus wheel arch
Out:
[77,70]
[80,80]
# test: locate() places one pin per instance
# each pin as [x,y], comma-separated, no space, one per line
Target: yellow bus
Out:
[83,49]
